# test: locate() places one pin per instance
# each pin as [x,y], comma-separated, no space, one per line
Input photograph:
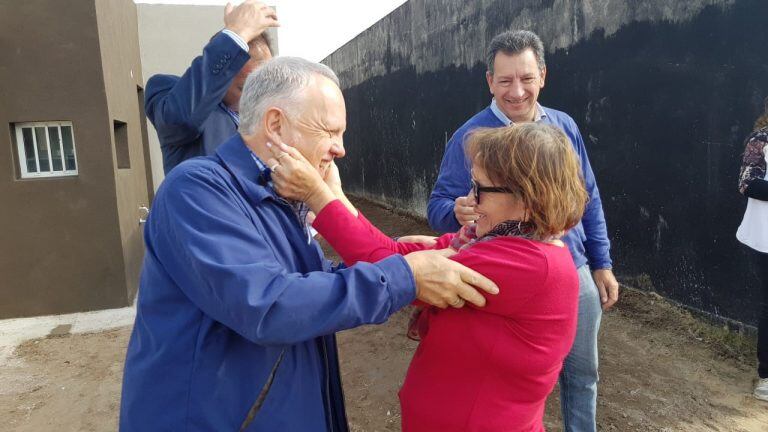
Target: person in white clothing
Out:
[753,232]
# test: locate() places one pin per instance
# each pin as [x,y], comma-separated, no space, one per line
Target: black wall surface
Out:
[663,103]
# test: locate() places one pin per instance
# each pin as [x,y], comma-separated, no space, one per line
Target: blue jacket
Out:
[587,241]
[186,111]
[229,282]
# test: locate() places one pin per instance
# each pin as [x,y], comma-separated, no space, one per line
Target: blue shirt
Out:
[588,241]
[228,283]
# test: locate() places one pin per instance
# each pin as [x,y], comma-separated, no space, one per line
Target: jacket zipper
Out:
[327,383]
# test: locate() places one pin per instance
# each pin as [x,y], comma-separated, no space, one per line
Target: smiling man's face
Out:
[516,83]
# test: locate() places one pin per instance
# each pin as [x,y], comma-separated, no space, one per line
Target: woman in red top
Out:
[489,368]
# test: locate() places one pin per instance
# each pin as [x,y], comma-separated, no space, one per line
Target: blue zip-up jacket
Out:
[587,241]
[229,281]
[186,111]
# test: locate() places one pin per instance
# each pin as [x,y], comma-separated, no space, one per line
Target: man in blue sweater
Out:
[516,73]
[195,113]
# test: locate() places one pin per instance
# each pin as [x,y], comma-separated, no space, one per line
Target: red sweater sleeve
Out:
[356,239]
[517,266]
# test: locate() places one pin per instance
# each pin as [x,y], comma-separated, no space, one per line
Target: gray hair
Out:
[279,83]
[515,42]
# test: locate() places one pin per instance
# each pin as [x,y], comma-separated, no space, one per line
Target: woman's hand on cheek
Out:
[332,178]
[294,178]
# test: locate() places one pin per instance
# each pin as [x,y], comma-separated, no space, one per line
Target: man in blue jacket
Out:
[237,306]
[516,73]
[195,113]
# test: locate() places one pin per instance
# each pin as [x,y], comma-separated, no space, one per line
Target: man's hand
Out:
[250,19]
[465,213]
[423,239]
[608,287]
[442,282]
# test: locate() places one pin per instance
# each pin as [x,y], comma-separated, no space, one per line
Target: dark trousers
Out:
[760,261]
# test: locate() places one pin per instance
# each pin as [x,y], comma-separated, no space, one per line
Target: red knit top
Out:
[480,369]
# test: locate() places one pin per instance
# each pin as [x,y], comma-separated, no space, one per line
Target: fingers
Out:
[458,303]
[274,149]
[292,151]
[271,14]
[477,280]
[447,252]
[280,150]
[273,163]
[468,293]
[464,213]
[602,291]
[613,297]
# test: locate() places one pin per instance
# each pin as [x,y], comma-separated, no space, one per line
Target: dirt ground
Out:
[661,370]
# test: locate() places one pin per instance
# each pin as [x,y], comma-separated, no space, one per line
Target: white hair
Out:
[277,82]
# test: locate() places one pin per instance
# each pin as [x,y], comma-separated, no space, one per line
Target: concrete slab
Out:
[18,330]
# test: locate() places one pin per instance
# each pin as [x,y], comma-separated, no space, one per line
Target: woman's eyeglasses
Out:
[477,189]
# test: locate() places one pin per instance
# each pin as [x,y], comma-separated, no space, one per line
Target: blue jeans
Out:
[578,379]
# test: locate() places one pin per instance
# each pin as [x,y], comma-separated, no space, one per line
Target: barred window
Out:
[46,149]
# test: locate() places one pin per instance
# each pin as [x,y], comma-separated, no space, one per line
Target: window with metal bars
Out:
[46,149]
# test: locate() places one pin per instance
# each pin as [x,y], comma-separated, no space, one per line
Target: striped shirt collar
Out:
[540,114]
[299,208]
[234,114]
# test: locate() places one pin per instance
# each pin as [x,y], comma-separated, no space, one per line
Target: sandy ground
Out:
[661,370]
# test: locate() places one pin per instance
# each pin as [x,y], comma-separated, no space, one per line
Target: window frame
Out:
[22,154]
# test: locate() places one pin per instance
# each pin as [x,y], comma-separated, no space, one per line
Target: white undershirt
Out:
[753,230]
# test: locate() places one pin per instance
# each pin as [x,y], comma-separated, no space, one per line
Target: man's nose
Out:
[516,89]
[337,149]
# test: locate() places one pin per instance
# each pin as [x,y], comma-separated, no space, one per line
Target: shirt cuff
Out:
[398,279]
[238,40]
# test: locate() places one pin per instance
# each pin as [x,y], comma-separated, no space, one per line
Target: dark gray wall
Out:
[664,93]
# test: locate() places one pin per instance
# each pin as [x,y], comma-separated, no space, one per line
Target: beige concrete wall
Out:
[170,37]
[119,48]
[59,246]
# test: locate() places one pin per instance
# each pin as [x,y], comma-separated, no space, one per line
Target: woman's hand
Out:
[333,179]
[294,178]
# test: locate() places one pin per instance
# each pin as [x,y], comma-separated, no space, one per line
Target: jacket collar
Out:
[236,158]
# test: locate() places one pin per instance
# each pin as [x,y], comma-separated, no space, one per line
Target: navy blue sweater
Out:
[587,241]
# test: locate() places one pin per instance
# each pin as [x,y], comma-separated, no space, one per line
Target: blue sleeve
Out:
[178,107]
[206,241]
[453,181]
[596,246]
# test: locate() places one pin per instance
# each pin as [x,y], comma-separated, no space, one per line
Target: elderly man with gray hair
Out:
[237,306]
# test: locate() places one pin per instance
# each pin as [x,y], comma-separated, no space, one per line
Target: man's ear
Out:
[274,124]
[543,75]
[489,78]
